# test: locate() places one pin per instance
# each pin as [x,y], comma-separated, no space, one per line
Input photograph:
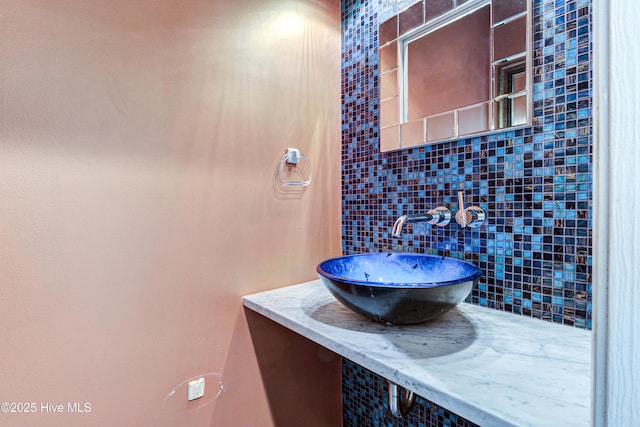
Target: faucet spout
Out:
[396,231]
[408,219]
[439,216]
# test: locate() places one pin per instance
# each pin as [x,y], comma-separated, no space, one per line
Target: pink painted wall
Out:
[138,146]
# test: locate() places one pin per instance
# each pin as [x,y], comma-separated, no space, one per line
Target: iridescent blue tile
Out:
[535,184]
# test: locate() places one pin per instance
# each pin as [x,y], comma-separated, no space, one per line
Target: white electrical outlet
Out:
[196,389]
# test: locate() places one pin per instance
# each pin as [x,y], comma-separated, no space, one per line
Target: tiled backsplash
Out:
[535,184]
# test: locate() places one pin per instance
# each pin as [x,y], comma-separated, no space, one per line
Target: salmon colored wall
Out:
[138,147]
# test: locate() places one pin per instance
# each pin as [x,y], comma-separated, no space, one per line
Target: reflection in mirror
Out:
[451,68]
[511,97]
[436,8]
[389,57]
[388,30]
[474,119]
[512,111]
[439,81]
[504,9]
[441,126]
[510,39]
[411,18]
[412,133]
[388,110]
[390,138]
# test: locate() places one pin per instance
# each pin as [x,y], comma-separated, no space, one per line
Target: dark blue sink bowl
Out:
[398,288]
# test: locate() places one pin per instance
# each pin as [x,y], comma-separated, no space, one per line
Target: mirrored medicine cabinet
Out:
[453,68]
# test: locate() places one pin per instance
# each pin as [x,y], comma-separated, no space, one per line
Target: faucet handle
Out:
[472,217]
[460,218]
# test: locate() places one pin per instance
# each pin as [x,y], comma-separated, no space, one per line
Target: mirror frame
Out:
[391,136]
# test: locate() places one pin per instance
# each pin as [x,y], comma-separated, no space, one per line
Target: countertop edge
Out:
[433,392]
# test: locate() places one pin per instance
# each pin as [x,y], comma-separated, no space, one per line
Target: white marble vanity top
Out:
[492,368]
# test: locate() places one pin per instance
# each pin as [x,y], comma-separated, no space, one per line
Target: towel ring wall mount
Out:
[292,157]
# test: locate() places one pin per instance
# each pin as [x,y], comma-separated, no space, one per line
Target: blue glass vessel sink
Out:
[398,288]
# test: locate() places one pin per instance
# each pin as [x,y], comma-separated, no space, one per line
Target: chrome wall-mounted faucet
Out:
[472,217]
[439,216]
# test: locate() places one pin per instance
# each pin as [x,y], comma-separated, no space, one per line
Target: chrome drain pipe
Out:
[400,400]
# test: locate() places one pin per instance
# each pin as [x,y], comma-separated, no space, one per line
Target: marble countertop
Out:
[490,367]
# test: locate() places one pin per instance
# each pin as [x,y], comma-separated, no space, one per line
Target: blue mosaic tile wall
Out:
[535,184]
[364,402]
